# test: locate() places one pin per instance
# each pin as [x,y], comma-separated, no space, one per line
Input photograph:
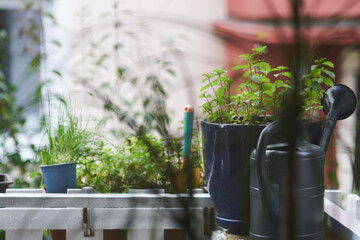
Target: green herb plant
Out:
[139,162]
[67,140]
[259,97]
[314,81]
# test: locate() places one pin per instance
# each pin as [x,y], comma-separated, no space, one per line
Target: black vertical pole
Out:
[356,173]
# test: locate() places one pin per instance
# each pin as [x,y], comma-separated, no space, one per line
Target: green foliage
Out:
[140,162]
[11,119]
[262,91]
[11,124]
[313,85]
[67,141]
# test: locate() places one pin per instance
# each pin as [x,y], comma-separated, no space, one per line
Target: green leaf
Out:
[287,74]
[205,87]
[281,68]
[121,71]
[264,67]
[49,15]
[220,93]
[171,72]
[256,103]
[219,71]
[215,82]
[34,174]
[239,67]
[269,93]
[313,67]
[208,75]
[106,85]
[56,43]
[328,63]
[308,82]
[259,50]
[320,60]
[101,59]
[328,81]
[35,62]
[57,73]
[314,94]
[331,74]
[255,77]
[267,86]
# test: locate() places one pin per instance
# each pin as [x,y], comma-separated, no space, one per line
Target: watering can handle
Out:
[266,197]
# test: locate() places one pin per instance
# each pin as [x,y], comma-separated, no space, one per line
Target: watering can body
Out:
[269,185]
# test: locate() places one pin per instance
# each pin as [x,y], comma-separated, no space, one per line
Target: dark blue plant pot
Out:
[227,149]
[59,177]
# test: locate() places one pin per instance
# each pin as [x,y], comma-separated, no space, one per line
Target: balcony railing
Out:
[25,213]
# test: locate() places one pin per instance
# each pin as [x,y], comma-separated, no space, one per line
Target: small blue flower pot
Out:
[59,177]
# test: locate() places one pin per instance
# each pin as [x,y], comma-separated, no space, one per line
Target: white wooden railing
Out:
[24,213]
[344,222]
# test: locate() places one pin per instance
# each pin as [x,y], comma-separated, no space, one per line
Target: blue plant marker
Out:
[188,130]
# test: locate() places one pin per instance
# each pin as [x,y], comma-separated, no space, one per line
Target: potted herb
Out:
[67,142]
[138,163]
[235,117]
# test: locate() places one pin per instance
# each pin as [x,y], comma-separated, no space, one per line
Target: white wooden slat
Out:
[142,218]
[334,196]
[104,200]
[353,205]
[29,211]
[23,235]
[24,190]
[40,218]
[105,218]
[340,221]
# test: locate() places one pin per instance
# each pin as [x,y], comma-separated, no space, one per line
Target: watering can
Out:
[268,179]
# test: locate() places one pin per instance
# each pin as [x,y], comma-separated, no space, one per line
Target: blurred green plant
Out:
[136,91]
[11,124]
[11,119]
[136,163]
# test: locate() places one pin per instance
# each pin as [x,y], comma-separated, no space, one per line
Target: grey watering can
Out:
[268,177]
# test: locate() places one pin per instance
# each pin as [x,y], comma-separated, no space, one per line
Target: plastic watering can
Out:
[268,179]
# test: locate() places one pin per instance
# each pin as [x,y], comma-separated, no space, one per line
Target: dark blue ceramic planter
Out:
[227,149]
[59,177]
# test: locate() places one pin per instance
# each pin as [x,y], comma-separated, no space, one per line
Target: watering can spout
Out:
[339,102]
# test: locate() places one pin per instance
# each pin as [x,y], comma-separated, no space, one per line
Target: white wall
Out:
[345,131]
[185,23]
